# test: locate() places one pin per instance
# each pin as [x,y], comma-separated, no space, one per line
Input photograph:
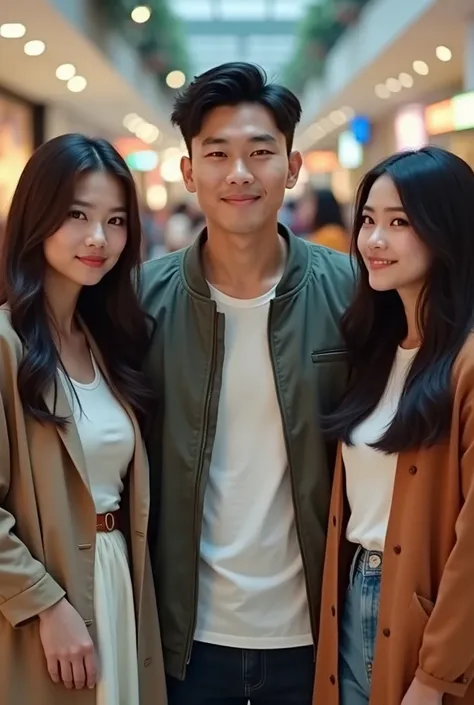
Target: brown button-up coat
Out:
[47,542]
[426,611]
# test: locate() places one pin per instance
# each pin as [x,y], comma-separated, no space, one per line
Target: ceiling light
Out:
[421,67]
[77,84]
[406,80]
[393,85]
[12,30]
[443,53]
[141,14]
[148,133]
[338,117]
[65,72]
[326,124]
[176,79]
[34,48]
[132,121]
[316,131]
[348,112]
[382,91]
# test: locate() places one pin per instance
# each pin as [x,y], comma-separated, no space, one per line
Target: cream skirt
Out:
[115,619]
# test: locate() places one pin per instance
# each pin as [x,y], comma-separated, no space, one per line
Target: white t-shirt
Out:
[107,438]
[370,474]
[252,591]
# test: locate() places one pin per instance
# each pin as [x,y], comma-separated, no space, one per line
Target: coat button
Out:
[413,470]
[386,632]
[465,680]
[333,680]
[333,611]
[397,550]
[334,521]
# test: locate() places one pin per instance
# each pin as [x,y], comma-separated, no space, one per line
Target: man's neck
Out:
[244,266]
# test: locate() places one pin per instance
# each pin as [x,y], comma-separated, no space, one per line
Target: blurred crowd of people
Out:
[316,216]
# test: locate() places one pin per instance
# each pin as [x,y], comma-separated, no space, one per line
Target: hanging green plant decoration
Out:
[161,41]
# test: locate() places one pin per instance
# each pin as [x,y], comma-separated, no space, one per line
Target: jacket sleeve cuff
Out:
[458,688]
[28,604]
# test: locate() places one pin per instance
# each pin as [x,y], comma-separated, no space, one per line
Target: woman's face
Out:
[92,238]
[394,255]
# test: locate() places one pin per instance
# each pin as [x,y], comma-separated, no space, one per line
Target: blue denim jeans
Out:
[359,628]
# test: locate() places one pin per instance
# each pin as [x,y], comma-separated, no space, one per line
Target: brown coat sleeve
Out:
[26,589]
[447,651]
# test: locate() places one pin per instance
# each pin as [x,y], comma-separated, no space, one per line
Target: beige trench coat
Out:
[47,542]
[426,609]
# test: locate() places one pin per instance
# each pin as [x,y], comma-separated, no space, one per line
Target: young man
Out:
[246,354]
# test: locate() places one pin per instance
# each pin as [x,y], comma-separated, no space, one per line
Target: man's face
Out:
[240,168]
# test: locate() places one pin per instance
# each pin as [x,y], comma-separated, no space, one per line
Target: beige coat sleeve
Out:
[26,589]
[447,651]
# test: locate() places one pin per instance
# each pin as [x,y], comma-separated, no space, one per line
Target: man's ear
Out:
[187,172]
[295,162]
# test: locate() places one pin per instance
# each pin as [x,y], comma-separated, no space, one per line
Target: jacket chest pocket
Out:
[331,373]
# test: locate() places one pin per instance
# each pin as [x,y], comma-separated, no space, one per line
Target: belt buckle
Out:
[374,560]
[109,521]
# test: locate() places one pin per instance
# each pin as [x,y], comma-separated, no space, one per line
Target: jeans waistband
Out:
[369,563]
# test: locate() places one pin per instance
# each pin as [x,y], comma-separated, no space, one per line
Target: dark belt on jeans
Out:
[110,521]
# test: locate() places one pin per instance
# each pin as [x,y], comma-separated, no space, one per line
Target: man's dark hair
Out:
[231,84]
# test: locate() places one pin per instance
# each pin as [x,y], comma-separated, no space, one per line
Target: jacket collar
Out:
[294,275]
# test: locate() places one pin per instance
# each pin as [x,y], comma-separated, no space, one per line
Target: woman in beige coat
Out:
[397,616]
[78,620]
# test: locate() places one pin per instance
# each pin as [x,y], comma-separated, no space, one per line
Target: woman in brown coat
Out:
[78,620]
[397,619]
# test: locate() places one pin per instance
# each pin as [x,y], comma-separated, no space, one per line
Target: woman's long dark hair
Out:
[110,310]
[436,189]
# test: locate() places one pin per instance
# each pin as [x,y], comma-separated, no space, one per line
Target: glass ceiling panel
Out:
[193,9]
[243,9]
[289,9]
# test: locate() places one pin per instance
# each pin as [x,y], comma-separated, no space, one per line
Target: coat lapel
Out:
[57,403]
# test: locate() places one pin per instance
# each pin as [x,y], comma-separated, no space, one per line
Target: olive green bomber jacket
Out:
[185,367]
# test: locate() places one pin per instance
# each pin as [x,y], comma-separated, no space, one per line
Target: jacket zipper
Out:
[197,504]
[292,481]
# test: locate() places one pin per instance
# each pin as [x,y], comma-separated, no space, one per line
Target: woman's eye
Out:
[367,220]
[400,223]
[117,220]
[76,215]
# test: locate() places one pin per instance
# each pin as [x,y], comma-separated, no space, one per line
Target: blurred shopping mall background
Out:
[374,76]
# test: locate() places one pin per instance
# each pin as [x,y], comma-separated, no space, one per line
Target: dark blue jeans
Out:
[218,675]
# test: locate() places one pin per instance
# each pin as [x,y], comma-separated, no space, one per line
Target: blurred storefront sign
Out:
[16,145]
[321,162]
[410,127]
[450,125]
[361,128]
[350,151]
[452,115]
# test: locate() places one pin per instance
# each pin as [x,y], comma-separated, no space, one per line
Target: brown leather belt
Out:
[110,521]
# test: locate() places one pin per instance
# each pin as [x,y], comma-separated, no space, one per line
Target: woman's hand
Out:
[68,648]
[420,694]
